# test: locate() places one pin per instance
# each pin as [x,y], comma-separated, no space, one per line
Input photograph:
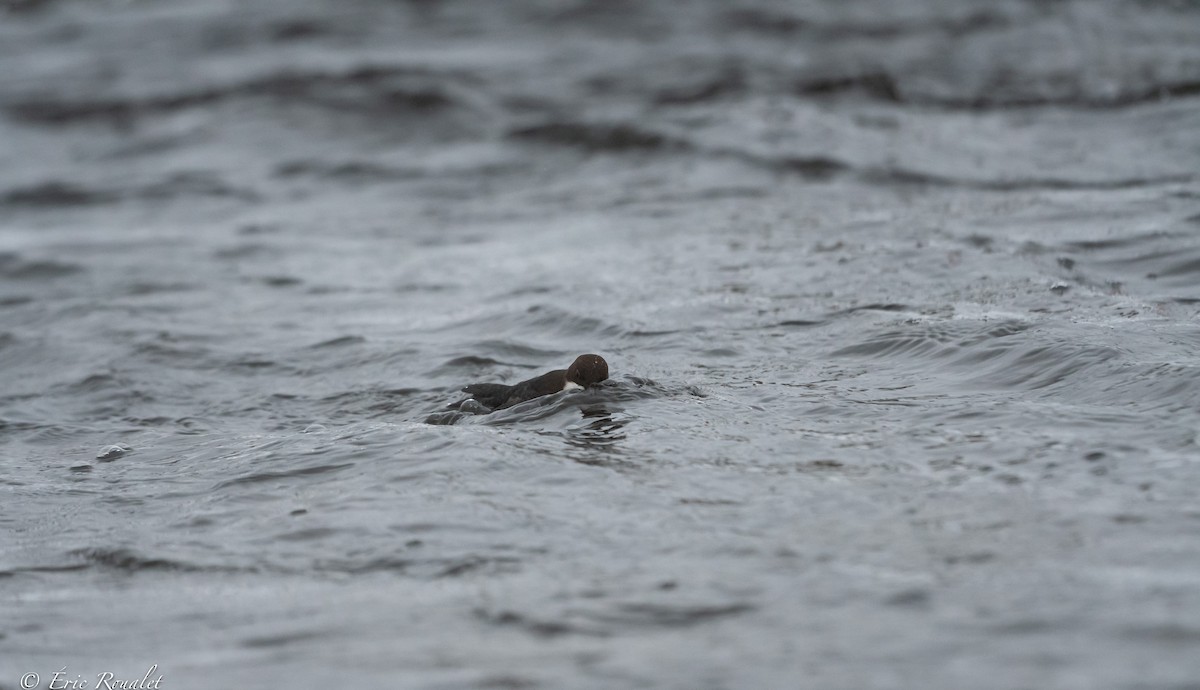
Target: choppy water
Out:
[900,301]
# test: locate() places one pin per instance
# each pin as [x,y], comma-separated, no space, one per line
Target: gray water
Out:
[900,302]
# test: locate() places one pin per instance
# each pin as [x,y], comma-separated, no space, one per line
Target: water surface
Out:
[900,303]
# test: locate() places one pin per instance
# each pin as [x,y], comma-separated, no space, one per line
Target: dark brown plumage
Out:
[585,371]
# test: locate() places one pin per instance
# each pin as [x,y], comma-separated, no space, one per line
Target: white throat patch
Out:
[571,386]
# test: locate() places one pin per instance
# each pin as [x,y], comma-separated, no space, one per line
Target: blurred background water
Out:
[899,298]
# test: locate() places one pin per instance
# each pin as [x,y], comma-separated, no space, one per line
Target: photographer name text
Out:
[106,680]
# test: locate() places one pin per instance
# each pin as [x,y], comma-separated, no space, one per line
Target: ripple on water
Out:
[598,401]
[13,267]
[54,194]
[282,475]
[934,340]
[131,561]
[611,618]
[1016,356]
[1151,262]
[545,320]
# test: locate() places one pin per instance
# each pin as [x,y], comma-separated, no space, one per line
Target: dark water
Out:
[900,301]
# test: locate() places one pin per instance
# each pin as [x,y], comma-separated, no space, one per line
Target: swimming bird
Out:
[585,371]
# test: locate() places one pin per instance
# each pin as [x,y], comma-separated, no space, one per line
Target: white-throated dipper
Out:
[585,371]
